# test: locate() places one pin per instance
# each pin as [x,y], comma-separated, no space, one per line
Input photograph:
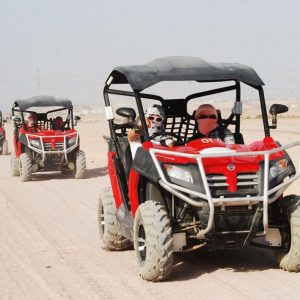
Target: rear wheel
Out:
[25,167]
[15,171]
[289,259]
[80,165]
[153,241]
[111,237]
[5,148]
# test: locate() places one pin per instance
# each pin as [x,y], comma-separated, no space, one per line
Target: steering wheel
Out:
[178,137]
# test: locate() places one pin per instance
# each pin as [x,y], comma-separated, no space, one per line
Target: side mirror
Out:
[276,109]
[77,118]
[127,112]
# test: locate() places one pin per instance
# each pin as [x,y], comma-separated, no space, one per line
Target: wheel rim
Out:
[142,243]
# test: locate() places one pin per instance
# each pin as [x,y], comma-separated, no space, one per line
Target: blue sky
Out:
[67,48]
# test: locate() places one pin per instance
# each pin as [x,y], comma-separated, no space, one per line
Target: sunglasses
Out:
[157,119]
[207,117]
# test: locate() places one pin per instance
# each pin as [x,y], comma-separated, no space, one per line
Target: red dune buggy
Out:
[3,141]
[45,138]
[202,193]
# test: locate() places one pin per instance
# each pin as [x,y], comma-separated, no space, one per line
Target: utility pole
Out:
[38,80]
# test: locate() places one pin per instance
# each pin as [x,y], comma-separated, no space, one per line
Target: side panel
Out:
[133,191]
[2,135]
[17,146]
[114,179]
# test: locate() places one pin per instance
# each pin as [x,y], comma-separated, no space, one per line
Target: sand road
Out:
[49,244]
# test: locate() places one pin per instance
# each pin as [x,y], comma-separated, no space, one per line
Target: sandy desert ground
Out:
[49,243]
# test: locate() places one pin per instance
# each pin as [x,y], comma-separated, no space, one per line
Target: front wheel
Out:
[15,171]
[25,167]
[80,165]
[289,258]
[5,148]
[152,235]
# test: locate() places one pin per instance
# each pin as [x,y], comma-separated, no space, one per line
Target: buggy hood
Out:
[50,132]
[210,146]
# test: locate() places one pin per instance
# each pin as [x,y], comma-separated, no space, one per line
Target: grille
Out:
[59,146]
[247,184]
[235,210]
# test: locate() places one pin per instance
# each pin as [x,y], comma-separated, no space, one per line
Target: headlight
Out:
[35,143]
[71,141]
[179,173]
[278,168]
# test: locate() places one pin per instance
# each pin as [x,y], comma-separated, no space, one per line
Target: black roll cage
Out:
[138,95]
[17,109]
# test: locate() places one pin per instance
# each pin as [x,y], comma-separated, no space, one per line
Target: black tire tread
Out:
[25,167]
[111,238]
[5,148]
[291,209]
[14,165]
[159,242]
[80,166]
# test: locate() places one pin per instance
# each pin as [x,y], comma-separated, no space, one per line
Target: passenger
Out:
[58,123]
[155,118]
[206,117]
[32,122]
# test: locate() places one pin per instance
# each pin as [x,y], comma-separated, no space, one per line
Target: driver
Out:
[155,117]
[206,117]
[31,122]
[58,123]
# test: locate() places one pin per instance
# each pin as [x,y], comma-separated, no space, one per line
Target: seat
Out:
[126,155]
[239,139]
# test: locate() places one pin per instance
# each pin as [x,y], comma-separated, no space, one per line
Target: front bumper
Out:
[47,148]
[267,196]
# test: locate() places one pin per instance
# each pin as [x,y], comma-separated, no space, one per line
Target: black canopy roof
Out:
[42,101]
[181,68]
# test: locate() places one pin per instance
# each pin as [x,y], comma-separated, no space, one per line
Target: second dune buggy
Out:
[39,145]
